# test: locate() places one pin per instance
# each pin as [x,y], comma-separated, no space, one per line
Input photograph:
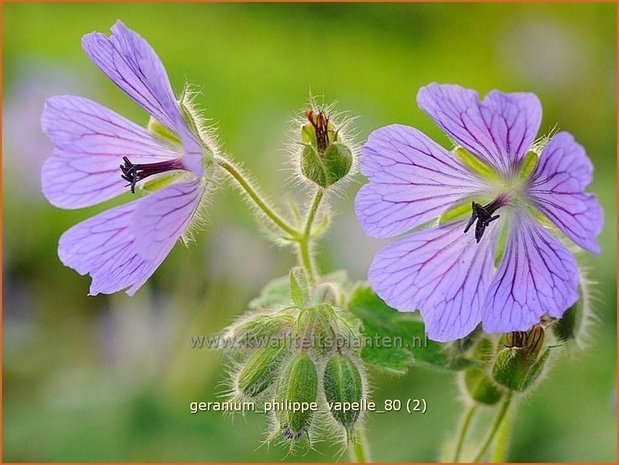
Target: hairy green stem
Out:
[305,241]
[500,450]
[465,423]
[255,197]
[358,451]
[494,428]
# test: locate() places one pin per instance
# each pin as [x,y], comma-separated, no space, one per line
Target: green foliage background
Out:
[111,377]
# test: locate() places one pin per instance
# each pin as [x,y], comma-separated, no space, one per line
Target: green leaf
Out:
[395,340]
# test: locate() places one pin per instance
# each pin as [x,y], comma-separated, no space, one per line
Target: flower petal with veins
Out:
[439,271]
[499,130]
[132,64]
[113,249]
[412,180]
[537,275]
[556,187]
[90,142]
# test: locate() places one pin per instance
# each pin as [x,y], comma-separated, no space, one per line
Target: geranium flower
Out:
[514,193]
[99,154]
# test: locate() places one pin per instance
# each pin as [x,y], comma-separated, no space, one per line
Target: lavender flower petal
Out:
[557,185]
[132,64]
[109,247]
[537,275]
[440,271]
[412,180]
[499,130]
[164,216]
[90,142]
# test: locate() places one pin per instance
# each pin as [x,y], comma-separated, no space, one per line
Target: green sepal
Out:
[297,382]
[299,287]
[328,168]
[516,371]
[343,387]
[158,129]
[528,164]
[259,371]
[479,387]
[474,163]
[457,212]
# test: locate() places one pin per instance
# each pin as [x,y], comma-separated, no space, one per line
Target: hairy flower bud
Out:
[297,389]
[570,326]
[476,382]
[259,330]
[480,387]
[259,371]
[343,389]
[324,160]
[520,363]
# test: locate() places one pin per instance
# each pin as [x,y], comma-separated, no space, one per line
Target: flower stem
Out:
[358,451]
[500,451]
[305,240]
[494,428]
[465,424]
[255,197]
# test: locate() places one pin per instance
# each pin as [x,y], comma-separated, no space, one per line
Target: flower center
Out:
[134,173]
[483,214]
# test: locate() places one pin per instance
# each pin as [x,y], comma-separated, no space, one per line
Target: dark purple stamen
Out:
[134,173]
[320,121]
[483,216]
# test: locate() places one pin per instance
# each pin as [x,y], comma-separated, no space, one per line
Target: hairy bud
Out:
[520,363]
[297,389]
[259,370]
[324,160]
[343,389]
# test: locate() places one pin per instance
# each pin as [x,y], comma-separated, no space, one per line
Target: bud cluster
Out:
[295,363]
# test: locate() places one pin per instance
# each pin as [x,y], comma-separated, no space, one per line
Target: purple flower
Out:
[513,192]
[99,154]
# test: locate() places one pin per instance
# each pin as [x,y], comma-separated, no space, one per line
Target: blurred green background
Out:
[110,378]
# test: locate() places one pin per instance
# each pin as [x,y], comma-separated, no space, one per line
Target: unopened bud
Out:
[519,364]
[476,381]
[326,293]
[343,389]
[480,387]
[570,326]
[324,160]
[259,371]
[297,388]
[260,329]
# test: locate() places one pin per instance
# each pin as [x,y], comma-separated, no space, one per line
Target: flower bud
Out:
[317,329]
[324,160]
[343,389]
[480,387]
[519,364]
[476,382]
[259,371]
[326,293]
[570,326]
[297,389]
[259,330]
